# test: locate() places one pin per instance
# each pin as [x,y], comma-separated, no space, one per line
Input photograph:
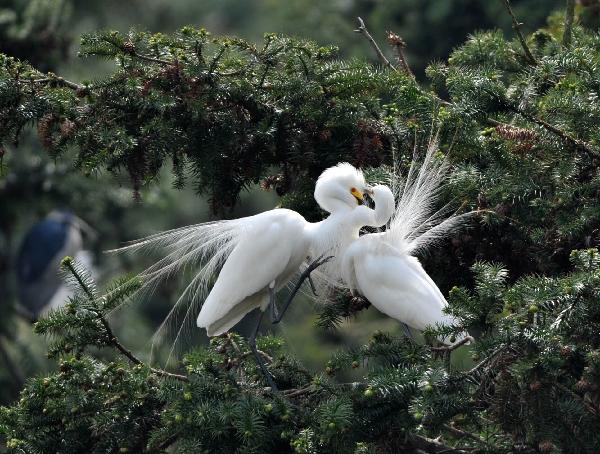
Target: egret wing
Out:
[261,256]
[398,286]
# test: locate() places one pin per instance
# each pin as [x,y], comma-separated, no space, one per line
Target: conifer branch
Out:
[60,81]
[576,143]
[578,398]
[517,28]
[434,446]
[112,339]
[463,434]
[362,29]
[569,18]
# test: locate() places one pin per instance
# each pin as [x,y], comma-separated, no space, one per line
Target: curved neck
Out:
[384,208]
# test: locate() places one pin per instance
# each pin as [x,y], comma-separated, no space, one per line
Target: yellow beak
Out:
[357,195]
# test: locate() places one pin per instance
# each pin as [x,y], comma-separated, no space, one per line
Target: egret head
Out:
[340,187]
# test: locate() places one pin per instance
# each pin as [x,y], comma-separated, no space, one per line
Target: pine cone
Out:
[44,129]
[67,127]
[546,446]
[129,47]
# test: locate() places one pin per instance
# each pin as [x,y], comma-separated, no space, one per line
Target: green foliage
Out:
[224,111]
[522,137]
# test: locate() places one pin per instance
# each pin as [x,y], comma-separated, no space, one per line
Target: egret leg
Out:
[259,361]
[273,303]
[312,285]
[407,331]
[305,275]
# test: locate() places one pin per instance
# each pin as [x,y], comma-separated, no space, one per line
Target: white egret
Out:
[260,254]
[382,266]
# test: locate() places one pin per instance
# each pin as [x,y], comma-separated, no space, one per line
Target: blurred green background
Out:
[46,33]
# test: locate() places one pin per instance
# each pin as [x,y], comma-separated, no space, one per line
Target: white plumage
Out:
[381,266]
[259,253]
[269,252]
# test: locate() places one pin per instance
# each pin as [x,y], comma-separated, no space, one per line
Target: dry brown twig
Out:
[398,44]
[362,29]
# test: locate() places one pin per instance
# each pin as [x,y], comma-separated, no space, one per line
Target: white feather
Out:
[382,266]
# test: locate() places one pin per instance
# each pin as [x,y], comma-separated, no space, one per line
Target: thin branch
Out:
[517,28]
[463,433]
[362,29]
[569,18]
[129,355]
[577,143]
[398,44]
[297,392]
[112,339]
[60,81]
[150,59]
[434,446]
[484,361]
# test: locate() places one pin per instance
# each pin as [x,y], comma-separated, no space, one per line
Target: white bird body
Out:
[271,249]
[261,253]
[382,267]
[394,282]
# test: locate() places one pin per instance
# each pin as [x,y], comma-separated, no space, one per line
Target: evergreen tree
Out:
[519,121]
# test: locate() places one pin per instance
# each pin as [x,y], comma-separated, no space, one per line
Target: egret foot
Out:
[305,275]
[259,361]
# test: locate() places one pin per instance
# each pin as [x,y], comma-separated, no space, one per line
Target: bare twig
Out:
[129,355]
[362,29]
[569,18]
[398,44]
[517,28]
[260,352]
[150,59]
[484,361]
[297,392]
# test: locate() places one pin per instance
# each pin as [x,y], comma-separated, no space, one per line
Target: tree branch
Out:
[433,446]
[112,339]
[517,28]
[577,143]
[60,81]
[362,29]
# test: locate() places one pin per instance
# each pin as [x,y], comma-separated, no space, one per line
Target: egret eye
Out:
[353,190]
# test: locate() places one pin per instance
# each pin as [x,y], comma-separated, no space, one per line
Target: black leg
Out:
[312,285]
[273,304]
[259,361]
[305,275]
[407,331]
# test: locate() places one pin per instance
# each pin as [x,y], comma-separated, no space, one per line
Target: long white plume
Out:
[202,249]
[416,224]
